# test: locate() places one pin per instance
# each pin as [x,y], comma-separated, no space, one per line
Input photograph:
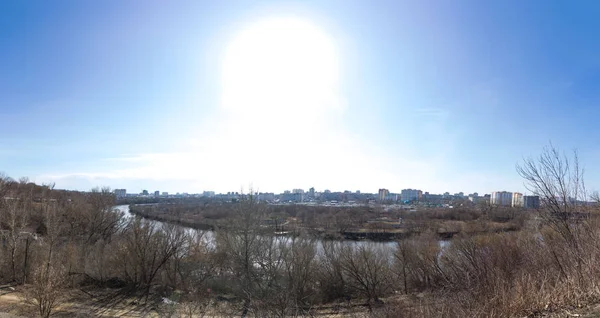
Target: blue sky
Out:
[436,95]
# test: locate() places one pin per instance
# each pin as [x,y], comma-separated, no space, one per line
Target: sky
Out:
[191,96]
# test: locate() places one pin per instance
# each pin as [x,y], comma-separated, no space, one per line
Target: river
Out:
[209,236]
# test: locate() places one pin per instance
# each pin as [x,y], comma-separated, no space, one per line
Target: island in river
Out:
[354,223]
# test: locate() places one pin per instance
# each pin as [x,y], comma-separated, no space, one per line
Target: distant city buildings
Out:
[382,194]
[264,196]
[392,197]
[120,193]
[351,198]
[531,202]
[514,199]
[517,200]
[501,198]
[411,195]
[297,195]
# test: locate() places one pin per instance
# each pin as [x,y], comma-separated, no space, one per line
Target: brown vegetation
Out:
[56,240]
[358,222]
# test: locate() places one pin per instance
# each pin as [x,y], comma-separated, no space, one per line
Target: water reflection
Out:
[209,236]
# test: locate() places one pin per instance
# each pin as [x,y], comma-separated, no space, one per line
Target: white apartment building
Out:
[411,195]
[517,200]
[382,194]
[120,193]
[503,198]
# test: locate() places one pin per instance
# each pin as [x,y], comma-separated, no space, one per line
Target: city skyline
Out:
[191,96]
[408,192]
[356,198]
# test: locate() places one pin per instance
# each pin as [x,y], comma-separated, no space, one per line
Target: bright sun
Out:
[278,66]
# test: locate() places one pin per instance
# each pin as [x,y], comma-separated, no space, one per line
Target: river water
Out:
[209,236]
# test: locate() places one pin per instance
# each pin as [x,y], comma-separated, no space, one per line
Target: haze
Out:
[345,95]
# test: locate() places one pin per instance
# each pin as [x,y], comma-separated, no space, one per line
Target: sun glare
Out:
[278,66]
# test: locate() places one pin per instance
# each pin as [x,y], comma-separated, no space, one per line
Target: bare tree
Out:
[332,282]
[402,256]
[300,266]
[243,243]
[16,220]
[146,249]
[192,264]
[47,289]
[101,221]
[367,268]
[558,180]
[5,182]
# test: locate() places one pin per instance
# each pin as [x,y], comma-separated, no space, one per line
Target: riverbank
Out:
[208,226]
[381,231]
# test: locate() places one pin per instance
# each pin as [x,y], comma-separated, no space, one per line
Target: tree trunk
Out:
[26,259]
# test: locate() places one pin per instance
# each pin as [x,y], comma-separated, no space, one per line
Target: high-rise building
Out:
[502,198]
[144,192]
[165,194]
[411,195]
[382,194]
[531,202]
[120,193]
[517,200]
[311,192]
[392,197]
[298,196]
[156,194]
[265,196]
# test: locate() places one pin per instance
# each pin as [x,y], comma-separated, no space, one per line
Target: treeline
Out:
[154,200]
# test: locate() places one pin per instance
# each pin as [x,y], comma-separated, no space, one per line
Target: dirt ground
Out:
[78,303]
[115,303]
